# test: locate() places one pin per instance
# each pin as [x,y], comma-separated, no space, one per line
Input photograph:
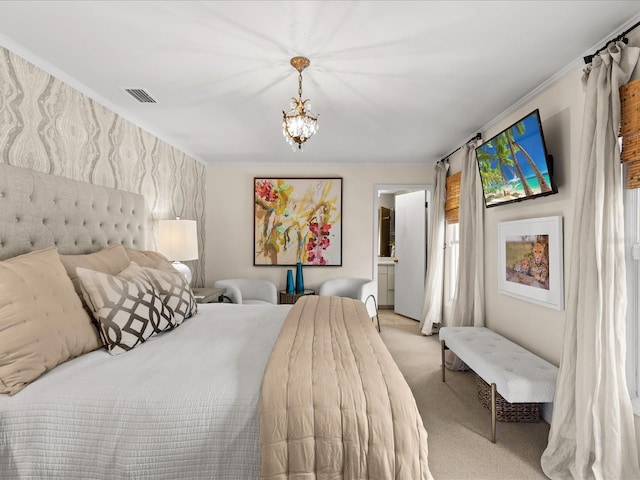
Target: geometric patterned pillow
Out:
[135,274]
[127,313]
[174,291]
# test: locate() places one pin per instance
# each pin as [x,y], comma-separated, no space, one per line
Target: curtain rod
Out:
[478,136]
[622,36]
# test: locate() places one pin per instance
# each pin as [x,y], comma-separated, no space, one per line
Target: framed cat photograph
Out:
[530,260]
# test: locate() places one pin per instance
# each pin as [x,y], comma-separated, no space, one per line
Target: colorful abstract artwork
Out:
[297,220]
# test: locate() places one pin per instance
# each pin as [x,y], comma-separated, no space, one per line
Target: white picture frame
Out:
[530,260]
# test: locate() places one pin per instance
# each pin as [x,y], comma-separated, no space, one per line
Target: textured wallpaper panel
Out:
[47,126]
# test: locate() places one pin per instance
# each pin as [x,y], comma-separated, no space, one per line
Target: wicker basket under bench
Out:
[512,382]
[505,411]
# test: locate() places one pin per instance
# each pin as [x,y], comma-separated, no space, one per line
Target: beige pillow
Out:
[175,292]
[127,312]
[42,322]
[149,258]
[111,260]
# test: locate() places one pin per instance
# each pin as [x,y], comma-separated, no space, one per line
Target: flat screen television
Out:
[514,165]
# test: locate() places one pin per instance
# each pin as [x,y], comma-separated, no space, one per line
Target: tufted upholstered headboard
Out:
[38,210]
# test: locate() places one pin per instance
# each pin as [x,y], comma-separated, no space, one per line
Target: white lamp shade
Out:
[178,239]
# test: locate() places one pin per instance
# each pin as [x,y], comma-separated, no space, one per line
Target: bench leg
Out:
[443,347]
[493,412]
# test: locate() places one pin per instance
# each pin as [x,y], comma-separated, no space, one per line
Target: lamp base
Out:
[184,270]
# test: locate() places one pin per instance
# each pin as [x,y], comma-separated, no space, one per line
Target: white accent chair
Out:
[249,291]
[363,289]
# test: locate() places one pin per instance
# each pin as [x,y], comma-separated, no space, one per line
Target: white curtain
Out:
[468,304]
[434,284]
[592,433]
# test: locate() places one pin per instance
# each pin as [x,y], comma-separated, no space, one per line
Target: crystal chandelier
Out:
[299,124]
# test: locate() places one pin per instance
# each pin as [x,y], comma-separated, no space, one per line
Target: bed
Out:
[180,405]
[230,392]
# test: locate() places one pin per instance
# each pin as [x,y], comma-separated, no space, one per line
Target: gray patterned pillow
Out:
[135,274]
[174,291]
[127,312]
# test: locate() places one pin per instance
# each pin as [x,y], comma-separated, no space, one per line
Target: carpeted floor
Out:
[459,427]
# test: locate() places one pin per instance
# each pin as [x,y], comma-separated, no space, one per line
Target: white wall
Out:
[229,218]
[387,200]
[535,327]
[538,328]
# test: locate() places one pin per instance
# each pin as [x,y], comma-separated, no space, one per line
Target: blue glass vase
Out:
[299,279]
[289,282]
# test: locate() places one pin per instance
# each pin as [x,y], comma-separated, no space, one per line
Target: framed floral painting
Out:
[297,220]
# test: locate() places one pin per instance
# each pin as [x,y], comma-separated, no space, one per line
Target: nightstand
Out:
[291,298]
[209,294]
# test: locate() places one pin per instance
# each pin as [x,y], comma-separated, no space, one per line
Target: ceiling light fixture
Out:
[299,124]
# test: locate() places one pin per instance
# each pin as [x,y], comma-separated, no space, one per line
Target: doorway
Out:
[384,268]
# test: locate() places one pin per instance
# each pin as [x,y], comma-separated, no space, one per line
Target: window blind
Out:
[452,200]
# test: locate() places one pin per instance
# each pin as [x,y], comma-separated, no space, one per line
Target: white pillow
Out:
[127,312]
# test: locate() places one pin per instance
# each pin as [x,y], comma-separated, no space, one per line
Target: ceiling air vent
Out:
[140,95]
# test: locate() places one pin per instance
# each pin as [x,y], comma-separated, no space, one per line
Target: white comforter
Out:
[183,405]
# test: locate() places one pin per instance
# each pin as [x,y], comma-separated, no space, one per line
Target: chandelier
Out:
[299,124]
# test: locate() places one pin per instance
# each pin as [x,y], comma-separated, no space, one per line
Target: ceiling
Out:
[394,83]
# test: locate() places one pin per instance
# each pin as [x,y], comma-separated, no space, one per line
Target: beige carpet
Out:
[459,427]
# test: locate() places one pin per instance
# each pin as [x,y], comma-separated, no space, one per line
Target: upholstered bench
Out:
[515,373]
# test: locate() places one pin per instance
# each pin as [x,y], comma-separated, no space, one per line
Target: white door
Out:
[411,253]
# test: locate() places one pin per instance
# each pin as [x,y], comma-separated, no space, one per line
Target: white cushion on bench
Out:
[519,375]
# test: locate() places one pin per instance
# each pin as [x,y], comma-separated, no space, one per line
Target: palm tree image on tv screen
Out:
[514,164]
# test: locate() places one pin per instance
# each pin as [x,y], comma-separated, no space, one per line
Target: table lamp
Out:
[178,241]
